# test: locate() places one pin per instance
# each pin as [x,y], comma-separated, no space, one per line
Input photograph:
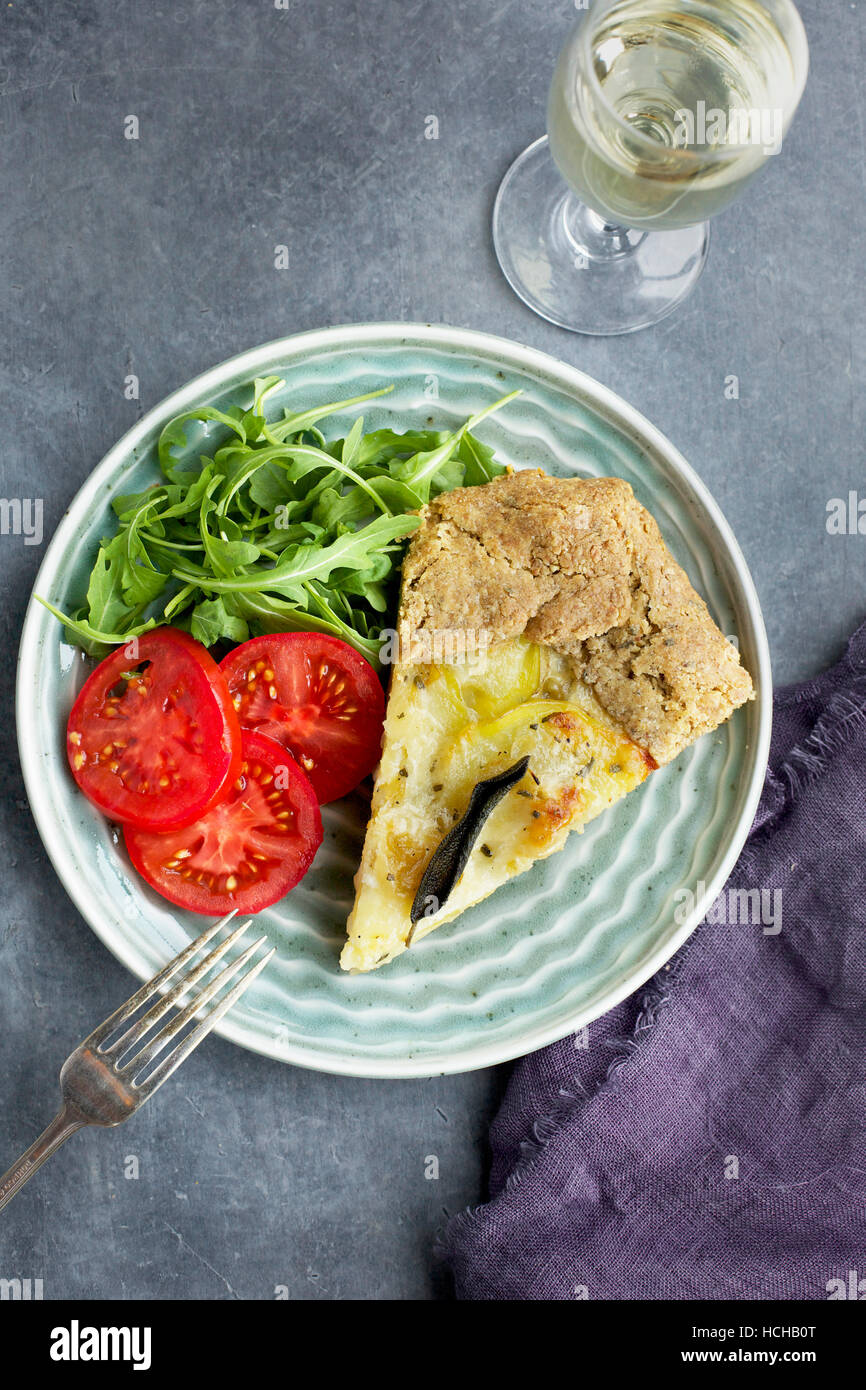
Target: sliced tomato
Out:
[245,852]
[153,739]
[318,697]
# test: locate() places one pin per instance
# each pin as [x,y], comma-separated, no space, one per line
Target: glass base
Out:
[579,271]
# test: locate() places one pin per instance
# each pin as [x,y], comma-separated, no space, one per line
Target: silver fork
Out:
[98,1081]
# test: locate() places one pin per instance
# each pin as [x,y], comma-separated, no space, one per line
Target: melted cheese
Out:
[446,729]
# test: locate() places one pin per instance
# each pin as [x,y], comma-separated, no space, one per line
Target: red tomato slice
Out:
[318,697]
[153,738]
[245,852]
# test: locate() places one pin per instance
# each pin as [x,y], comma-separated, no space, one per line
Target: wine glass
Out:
[660,112]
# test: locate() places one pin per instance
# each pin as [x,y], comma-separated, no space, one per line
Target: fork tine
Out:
[143,1025]
[142,995]
[195,1036]
[155,1045]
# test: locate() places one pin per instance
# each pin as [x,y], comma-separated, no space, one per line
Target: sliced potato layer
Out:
[450,727]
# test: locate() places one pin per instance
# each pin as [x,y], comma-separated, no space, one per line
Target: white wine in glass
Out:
[660,112]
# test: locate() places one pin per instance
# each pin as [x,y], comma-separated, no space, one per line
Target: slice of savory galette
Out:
[552,654]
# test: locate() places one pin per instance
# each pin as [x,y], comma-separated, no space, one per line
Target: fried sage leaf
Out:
[451,855]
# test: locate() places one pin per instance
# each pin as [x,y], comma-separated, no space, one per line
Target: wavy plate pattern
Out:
[555,948]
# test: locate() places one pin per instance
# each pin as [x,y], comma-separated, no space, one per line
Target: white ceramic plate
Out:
[557,947]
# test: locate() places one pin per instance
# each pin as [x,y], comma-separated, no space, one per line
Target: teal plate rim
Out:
[406,1053]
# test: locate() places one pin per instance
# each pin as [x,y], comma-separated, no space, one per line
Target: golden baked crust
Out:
[578,565]
[525,553]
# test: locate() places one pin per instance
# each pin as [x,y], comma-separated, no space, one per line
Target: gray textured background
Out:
[260,126]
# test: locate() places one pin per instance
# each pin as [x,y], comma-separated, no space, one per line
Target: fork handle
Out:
[64,1124]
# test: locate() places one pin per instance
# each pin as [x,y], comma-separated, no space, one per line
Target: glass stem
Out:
[591,237]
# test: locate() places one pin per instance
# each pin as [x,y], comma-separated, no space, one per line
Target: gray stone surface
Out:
[305,126]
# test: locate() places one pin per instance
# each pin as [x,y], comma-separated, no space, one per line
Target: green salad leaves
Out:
[275,530]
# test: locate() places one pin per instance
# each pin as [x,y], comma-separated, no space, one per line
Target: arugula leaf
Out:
[306,459]
[173,436]
[107,609]
[267,614]
[423,467]
[296,424]
[478,460]
[91,639]
[352,444]
[123,507]
[379,447]
[306,562]
[262,388]
[210,621]
[269,488]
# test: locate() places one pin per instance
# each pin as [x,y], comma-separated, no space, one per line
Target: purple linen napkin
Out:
[708,1142]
